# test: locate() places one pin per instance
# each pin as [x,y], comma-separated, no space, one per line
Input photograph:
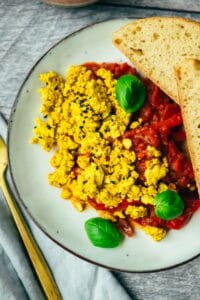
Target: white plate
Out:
[29,166]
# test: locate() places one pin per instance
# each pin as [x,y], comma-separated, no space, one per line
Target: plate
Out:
[29,166]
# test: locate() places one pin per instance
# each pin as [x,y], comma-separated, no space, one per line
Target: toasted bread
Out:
[155,45]
[188,81]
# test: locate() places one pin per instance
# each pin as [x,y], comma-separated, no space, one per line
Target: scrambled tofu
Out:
[156,233]
[136,211]
[83,121]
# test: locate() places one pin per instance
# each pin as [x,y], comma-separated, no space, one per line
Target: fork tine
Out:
[2,150]
[3,158]
[2,143]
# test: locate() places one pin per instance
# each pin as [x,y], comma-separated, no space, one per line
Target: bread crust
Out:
[189,120]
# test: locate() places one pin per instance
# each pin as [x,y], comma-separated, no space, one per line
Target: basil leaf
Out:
[168,205]
[103,233]
[130,93]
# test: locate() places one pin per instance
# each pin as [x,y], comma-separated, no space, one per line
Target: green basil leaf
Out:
[130,93]
[168,205]
[103,233]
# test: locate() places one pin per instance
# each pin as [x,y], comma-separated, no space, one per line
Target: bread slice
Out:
[188,82]
[155,45]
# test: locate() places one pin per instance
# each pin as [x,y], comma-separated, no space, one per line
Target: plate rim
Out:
[19,198]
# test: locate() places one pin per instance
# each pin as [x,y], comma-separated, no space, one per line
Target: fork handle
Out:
[45,277]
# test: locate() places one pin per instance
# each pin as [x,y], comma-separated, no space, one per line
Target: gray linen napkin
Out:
[76,279]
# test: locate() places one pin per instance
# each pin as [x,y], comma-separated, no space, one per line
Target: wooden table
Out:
[27,29]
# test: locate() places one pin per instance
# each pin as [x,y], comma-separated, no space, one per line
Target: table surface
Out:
[27,29]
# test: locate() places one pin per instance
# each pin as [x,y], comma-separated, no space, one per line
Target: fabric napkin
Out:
[76,279]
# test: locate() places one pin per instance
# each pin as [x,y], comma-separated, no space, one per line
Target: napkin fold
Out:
[76,279]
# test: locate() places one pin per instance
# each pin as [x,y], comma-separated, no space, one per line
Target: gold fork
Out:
[42,270]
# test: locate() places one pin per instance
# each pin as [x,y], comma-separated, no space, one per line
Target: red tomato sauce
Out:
[162,128]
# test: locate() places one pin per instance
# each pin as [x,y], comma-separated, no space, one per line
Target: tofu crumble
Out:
[83,123]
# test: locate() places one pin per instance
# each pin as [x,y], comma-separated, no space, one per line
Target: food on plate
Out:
[102,233]
[112,160]
[188,80]
[155,45]
[168,205]
[130,93]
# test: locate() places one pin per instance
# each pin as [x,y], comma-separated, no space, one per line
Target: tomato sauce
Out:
[162,128]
